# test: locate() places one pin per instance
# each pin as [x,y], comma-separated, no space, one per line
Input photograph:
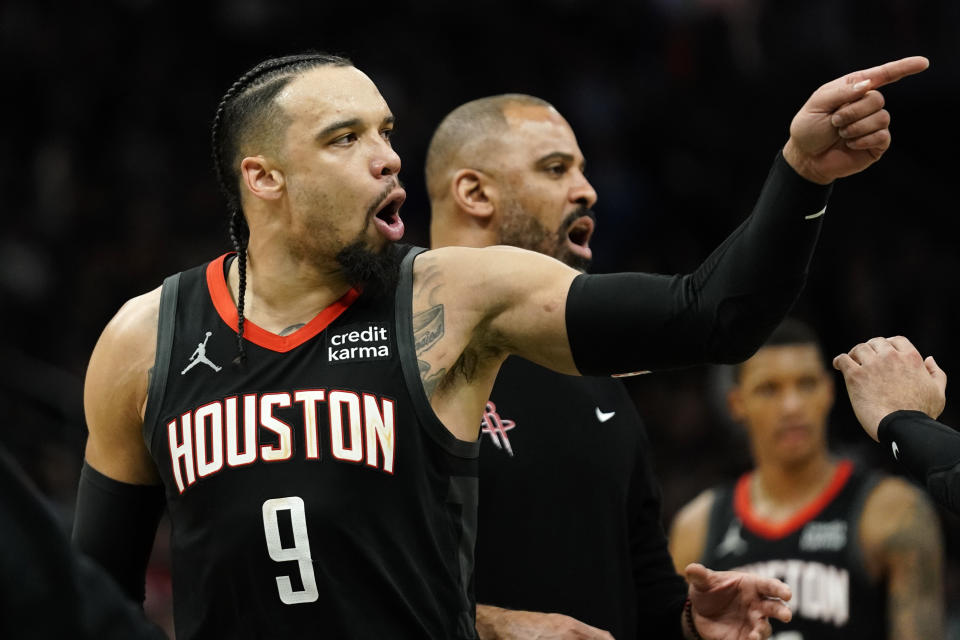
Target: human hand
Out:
[494,623]
[885,375]
[733,605]
[843,127]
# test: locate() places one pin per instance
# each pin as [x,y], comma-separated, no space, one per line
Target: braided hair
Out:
[243,112]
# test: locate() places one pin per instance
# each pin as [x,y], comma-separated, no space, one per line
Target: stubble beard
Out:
[521,229]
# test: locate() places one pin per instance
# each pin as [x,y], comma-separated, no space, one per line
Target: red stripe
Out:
[226,308]
[773,531]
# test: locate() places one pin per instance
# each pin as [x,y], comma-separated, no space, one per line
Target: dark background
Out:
[679,106]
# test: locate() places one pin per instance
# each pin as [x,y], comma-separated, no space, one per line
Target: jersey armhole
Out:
[403,318]
[166,322]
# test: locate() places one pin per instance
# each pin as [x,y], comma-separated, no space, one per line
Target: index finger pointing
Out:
[889,72]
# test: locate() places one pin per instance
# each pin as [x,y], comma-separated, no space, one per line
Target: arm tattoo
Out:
[428,329]
[915,557]
[292,328]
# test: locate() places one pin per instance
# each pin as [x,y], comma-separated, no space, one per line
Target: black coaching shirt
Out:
[570,506]
[816,553]
[313,493]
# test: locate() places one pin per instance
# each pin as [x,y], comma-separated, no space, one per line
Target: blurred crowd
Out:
[679,106]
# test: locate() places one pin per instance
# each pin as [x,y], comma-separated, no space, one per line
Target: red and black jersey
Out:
[817,553]
[313,492]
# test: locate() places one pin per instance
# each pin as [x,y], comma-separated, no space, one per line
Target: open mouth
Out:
[578,236]
[387,217]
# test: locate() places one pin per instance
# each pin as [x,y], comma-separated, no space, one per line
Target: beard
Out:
[376,272]
[521,229]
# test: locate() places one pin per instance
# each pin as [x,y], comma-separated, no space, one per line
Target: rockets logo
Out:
[496,427]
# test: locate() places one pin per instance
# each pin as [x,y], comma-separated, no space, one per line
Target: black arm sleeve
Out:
[115,524]
[929,450]
[720,313]
[47,590]
[660,590]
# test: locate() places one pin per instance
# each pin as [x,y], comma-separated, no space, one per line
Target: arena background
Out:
[679,106]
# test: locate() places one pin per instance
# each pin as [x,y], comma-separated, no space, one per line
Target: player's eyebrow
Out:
[560,155]
[351,124]
[340,124]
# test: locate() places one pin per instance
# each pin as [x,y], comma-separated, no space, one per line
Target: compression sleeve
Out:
[929,450]
[115,524]
[720,313]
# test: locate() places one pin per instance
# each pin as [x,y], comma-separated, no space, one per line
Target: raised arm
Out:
[119,500]
[721,312]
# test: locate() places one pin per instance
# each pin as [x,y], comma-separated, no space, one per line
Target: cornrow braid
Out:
[240,234]
[243,112]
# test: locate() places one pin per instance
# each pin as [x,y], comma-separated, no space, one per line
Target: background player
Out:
[327,497]
[862,552]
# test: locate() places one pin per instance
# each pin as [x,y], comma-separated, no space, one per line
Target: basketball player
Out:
[327,478]
[862,552]
[570,541]
[897,395]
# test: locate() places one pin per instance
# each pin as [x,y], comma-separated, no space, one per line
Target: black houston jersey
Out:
[313,493]
[569,504]
[816,553]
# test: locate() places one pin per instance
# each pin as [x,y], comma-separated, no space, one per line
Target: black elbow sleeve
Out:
[115,524]
[720,313]
[624,322]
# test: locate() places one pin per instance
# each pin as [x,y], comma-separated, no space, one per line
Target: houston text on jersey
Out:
[211,437]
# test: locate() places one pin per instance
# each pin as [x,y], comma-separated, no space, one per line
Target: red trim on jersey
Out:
[776,530]
[227,309]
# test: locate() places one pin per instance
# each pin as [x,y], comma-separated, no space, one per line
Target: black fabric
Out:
[115,524]
[166,319]
[291,517]
[819,557]
[47,590]
[570,507]
[720,313]
[929,450]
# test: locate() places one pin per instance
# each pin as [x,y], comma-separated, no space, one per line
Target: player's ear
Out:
[474,192]
[261,178]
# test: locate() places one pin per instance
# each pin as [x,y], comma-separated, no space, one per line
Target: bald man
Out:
[584,554]
[570,541]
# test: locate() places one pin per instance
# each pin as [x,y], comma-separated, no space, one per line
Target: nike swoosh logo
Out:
[603,417]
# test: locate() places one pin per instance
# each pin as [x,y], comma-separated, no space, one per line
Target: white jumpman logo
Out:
[200,355]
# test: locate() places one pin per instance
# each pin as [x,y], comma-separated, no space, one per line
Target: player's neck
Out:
[778,490]
[281,293]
